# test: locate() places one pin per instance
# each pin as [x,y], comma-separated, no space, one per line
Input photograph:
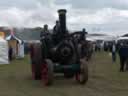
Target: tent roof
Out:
[12,37]
[122,38]
[101,37]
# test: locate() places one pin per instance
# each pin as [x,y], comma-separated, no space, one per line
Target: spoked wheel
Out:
[33,71]
[47,72]
[35,60]
[32,51]
[82,76]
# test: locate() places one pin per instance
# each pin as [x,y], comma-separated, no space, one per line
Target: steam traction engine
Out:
[67,54]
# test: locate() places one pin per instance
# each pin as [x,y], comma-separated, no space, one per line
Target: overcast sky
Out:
[109,16]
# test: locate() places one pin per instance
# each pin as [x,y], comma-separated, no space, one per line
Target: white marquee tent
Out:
[3,51]
[17,45]
[122,38]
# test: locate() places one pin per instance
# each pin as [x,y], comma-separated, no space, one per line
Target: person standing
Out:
[10,53]
[45,31]
[114,52]
[56,28]
[56,33]
[46,40]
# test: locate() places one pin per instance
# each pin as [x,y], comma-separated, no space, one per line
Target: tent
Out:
[20,50]
[3,51]
[17,46]
[122,38]
[90,39]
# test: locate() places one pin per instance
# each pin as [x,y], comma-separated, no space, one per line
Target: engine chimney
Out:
[62,20]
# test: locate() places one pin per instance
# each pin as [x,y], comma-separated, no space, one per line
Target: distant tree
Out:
[38,29]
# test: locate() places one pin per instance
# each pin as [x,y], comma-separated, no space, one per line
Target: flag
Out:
[12,31]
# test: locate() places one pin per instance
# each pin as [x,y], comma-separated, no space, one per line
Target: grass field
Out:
[104,80]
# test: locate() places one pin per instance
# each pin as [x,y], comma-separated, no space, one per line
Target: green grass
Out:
[104,80]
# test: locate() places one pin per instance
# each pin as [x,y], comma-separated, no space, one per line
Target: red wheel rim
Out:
[33,71]
[77,76]
[44,76]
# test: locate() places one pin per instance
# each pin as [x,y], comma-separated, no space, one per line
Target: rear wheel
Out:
[36,62]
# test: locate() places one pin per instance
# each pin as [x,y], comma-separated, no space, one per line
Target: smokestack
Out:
[62,20]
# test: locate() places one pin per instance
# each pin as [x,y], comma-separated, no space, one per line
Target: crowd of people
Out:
[116,48]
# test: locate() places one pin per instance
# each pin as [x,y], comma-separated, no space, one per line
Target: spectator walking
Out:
[114,52]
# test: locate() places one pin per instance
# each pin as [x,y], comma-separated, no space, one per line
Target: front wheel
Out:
[47,72]
[82,76]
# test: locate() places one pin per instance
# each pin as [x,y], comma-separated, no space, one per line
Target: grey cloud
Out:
[95,4]
[22,4]
[114,29]
[89,14]
[61,2]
